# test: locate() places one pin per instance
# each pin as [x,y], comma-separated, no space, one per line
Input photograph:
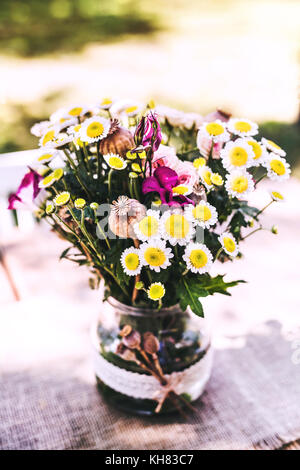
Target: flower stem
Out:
[218,253]
[264,208]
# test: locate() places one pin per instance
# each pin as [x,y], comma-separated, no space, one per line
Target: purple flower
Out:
[148,132]
[162,182]
[26,192]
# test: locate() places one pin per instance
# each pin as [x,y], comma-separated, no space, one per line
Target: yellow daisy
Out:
[239,183]
[176,226]
[148,227]
[273,147]
[216,131]
[62,198]
[203,214]
[277,167]
[94,129]
[242,127]
[156,255]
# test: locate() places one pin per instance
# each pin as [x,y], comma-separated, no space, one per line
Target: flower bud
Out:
[274,229]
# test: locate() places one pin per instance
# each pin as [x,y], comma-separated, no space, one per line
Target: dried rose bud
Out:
[150,343]
[120,349]
[133,340]
[126,330]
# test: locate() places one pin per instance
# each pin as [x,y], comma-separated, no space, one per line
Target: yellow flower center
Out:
[131,109]
[177,226]
[75,111]
[154,256]
[48,137]
[207,177]
[198,162]
[44,157]
[202,213]
[256,149]
[77,127]
[62,199]
[95,129]
[239,184]
[80,203]
[116,162]
[278,167]
[156,292]
[106,101]
[229,244]
[198,258]
[48,180]
[58,173]
[270,142]
[238,156]
[136,167]
[217,179]
[132,261]
[148,226]
[180,189]
[213,128]
[277,195]
[242,126]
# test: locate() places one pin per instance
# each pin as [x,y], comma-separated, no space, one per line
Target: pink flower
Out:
[165,156]
[26,192]
[187,173]
[148,132]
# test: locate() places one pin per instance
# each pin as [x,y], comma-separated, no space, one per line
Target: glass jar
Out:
[184,355]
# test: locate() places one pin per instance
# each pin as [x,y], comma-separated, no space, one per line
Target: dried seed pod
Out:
[133,340]
[150,343]
[120,349]
[119,140]
[126,330]
[199,193]
[124,214]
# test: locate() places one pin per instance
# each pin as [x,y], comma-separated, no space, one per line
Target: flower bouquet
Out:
[149,198]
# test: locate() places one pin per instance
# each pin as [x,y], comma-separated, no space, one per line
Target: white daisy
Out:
[115,161]
[270,145]
[94,129]
[205,174]
[40,128]
[46,155]
[131,261]
[237,155]
[277,167]
[276,196]
[49,136]
[148,228]
[156,291]
[74,130]
[242,127]
[203,214]
[259,150]
[106,103]
[216,131]
[76,110]
[60,140]
[239,183]
[198,258]
[156,255]
[229,244]
[176,226]
[47,181]
[126,108]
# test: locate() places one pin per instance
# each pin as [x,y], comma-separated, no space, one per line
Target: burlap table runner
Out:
[48,398]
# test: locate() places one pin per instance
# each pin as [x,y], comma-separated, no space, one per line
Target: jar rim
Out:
[143,311]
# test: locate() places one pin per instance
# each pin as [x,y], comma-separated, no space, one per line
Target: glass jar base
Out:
[134,406]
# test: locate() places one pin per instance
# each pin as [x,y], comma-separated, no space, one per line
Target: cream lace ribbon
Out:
[191,380]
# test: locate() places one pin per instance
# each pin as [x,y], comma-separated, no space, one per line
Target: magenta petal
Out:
[13,200]
[150,184]
[166,177]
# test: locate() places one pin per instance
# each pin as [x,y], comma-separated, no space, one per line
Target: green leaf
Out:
[65,252]
[121,275]
[189,291]
[217,284]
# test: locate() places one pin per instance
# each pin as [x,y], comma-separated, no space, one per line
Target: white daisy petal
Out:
[229,244]
[148,228]
[237,155]
[205,174]
[131,261]
[277,167]
[115,161]
[239,183]
[203,214]
[198,258]
[270,145]
[242,127]
[259,150]
[176,226]
[156,255]
[94,129]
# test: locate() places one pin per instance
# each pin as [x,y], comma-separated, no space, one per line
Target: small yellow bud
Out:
[198,162]
[139,285]
[274,230]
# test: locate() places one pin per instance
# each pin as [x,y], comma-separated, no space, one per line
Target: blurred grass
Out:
[36,27]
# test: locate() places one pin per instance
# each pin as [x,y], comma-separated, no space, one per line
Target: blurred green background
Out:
[197,55]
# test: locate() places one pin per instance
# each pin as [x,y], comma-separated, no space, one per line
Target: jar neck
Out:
[144,312]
